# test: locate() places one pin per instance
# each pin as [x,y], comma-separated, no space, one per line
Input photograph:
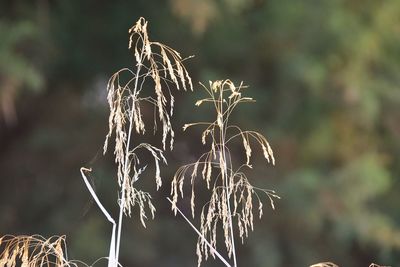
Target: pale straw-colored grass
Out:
[331,264]
[158,70]
[324,264]
[232,195]
[157,66]
[33,251]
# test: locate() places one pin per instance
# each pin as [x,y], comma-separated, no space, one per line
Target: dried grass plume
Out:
[232,195]
[33,251]
[157,66]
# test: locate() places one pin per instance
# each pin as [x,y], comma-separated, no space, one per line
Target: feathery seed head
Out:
[157,66]
[232,195]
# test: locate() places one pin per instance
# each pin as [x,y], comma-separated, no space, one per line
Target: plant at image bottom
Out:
[31,251]
[233,197]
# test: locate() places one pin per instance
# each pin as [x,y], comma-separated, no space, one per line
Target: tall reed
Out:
[232,195]
[159,67]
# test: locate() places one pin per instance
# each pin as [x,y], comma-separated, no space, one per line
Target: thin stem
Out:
[112,260]
[122,204]
[225,178]
[202,237]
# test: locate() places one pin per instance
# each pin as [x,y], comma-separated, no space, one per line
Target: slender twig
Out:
[125,181]
[202,237]
[226,177]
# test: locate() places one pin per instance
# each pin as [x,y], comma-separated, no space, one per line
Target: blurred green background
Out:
[325,74]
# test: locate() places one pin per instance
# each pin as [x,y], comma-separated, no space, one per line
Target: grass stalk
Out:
[125,181]
[112,259]
[225,177]
[232,194]
[161,66]
[224,261]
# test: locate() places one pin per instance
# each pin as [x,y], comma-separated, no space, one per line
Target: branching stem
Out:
[122,203]
[226,177]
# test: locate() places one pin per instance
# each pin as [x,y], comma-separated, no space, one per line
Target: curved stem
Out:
[112,260]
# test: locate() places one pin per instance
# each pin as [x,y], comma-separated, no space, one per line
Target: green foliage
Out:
[17,69]
[13,63]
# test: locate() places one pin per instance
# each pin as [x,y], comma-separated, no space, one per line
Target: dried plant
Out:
[33,251]
[162,68]
[331,264]
[232,194]
[324,264]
